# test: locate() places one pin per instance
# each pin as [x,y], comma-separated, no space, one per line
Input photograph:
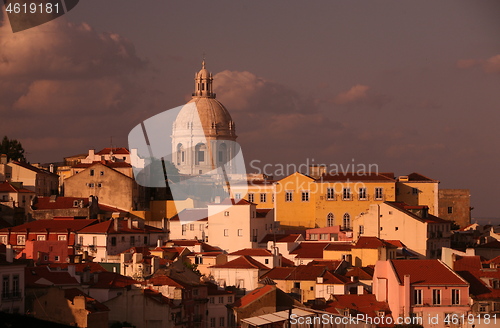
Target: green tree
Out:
[13,149]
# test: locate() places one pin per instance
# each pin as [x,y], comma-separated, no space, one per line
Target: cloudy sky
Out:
[409,86]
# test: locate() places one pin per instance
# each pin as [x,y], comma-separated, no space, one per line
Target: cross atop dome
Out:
[203,83]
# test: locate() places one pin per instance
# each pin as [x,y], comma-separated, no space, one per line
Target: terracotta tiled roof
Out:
[33,168]
[156,296]
[396,243]
[112,280]
[367,176]
[286,262]
[331,265]
[55,225]
[59,202]
[79,267]
[301,272]
[165,281]
[117,151]
[252,252]
[191,214]
[309,250]
[242,262]
[417,177]
[91,304]
[481,283]
[330,278]
[495,260]
[253,296]
[109,164]
[366,304]
[108,227]
[372,243]
[43,276]
[426,272]
[339,246]
[465,263]
[363,273]
[7,187]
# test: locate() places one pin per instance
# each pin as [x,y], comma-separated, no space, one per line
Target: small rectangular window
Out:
[305,196]
[330,194]
[379,195]
[346,193]
[455,296]
[250,197]
[436,296]
[226,232]
[362,193]
[450,209]
[240,232]
[289,196]
[226,213]
[417,297]
[263,198]
[92,173]
[237,196]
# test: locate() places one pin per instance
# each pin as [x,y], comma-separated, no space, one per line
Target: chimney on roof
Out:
[319,280]
[217,200]
[116,226]
[51,168]
[158,242]
[129,223]
[316,171]
[361,290]
[91,154]
[9,253]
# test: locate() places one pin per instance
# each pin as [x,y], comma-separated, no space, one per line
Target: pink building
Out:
[46,251]
[332,233]
[425,290]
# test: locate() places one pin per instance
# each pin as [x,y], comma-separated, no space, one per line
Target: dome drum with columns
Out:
[203,134]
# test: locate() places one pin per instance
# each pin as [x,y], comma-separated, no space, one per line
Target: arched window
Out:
[200,150]
[222,156]
[180,154]
[329,220]
[346,223]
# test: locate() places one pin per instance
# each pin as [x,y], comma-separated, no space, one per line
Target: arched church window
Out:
[200,150]
[346,223]
[329,220]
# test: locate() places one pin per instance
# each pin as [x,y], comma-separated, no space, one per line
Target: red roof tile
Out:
[55,225]
[59,202]
[112,280]
[339,246]
[280,238]
[8,187]
[253,296]
[481,283]
[156,296]
[417,177]
[465,263]
[117,151]
[105,163]
[242,262]
[363,273]
[366,304]
[43,276]
[426,272]
[165,281]
[372,243]
[252,252]
[331,265]
[108,227]
[309,250]
[330,278]
[301,272]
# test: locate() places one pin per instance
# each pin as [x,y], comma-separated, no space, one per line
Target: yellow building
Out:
[416,189]
[366,251]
